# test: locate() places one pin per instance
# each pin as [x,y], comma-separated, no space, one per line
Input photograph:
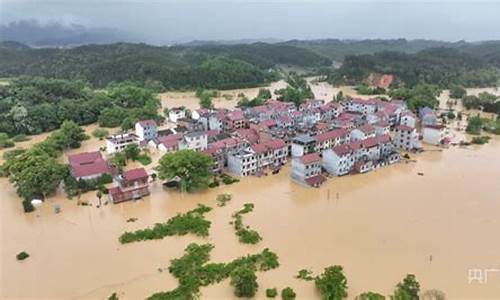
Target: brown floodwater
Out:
[379,226]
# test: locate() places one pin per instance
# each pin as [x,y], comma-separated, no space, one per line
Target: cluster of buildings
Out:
[321,139]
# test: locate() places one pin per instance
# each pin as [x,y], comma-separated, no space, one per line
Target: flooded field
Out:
[378,226]
[227,98]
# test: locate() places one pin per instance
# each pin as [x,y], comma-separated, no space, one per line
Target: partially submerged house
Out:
[307,170]
[131,185]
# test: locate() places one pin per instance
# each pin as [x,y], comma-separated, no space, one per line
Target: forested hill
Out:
[337,50]
[218,66]
[471,65]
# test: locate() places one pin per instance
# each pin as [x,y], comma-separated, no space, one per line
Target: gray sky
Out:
[170,20]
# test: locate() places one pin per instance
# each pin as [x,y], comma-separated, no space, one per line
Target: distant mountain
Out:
[338,49]
[54,34]
[13,45]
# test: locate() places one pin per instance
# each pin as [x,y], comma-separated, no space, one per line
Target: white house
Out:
[434,134]
[302,144]
[118,142]
[307,169]
[382,127]
[146,130]
[406,138]
[362,132]
[339,160]
[197,141]
[176,113]
[242,163]
[408,119]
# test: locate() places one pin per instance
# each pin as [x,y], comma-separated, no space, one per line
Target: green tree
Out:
[206,101]
[36,174]
[457,92]
[132,151]
[474,125]
[244,281]
[288,294]
[191,168]
[264,94]
[271,293]
[407,289]
[69,136]
[119,159]
[332,284]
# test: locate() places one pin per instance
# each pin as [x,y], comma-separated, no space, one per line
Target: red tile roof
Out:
[367,129]
[405,128]
[135,174]
[342,150]
[276,144]
[147,122]
[315,180]
[310,158]
[85,157]
[88,164]
[330,135]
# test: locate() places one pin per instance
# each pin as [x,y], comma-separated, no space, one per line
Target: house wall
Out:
[337,165]
[432,136]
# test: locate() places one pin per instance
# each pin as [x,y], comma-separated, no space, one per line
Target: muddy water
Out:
[379,226]
[226,99]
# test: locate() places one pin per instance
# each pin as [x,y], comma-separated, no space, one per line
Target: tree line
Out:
[32,105]
[179,67]
[444,67]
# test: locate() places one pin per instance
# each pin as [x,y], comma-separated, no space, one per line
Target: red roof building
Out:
[88,165]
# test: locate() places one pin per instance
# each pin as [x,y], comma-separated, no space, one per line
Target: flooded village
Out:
[315,174]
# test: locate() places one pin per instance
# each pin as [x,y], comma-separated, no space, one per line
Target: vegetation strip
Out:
[191,222]
[193,271]
[246,236]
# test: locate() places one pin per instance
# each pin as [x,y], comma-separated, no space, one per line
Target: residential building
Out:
[118,142]
[303,144]
[88,165]
[197,141]
[427,116]
[307,169]
[176,113]
[146,130]
[131,185]
[362,132]
[330,139]
[406,138]
[339,160]
[242,163]
[408,119]
[434,134]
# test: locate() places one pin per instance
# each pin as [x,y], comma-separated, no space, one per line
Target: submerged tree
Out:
[332,283]
[191,168]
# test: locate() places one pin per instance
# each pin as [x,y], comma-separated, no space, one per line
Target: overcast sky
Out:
[183,20]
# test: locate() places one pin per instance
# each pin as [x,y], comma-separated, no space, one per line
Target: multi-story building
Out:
[197,141]
[331,139]
[307,169]
[130,185]
[118,142]
[406,138]
[146,130]
[176,113]
[303,144]
[339,160]
[434,134]
[242,163]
